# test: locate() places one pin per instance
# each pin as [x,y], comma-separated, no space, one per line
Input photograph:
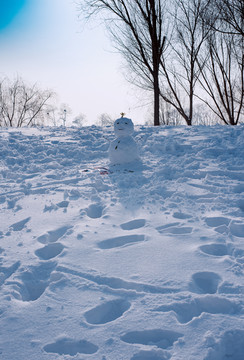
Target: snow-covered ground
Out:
[143,265]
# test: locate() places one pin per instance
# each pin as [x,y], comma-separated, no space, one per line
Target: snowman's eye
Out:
[126,123]
[117,123]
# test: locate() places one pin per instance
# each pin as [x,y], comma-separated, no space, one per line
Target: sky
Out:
[46,42]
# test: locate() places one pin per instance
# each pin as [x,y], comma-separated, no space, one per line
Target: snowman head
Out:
[123,127]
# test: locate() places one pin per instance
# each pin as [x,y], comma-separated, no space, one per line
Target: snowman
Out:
[123,149]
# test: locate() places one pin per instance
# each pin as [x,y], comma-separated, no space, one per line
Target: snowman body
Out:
[124,148]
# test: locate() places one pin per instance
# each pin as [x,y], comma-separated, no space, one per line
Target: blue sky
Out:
[9,11]
[44,41]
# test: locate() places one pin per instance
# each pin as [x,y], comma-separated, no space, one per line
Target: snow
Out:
[142,265]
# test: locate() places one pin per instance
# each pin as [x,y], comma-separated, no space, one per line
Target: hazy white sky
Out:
[43,41]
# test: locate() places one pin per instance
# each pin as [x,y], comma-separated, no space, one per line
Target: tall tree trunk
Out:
[137,28]
[156,101]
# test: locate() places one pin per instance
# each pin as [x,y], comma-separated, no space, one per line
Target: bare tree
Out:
[169,116]
[203,115]
[79,120]
[222,78]
[230,16]
[21,104]
[137,28]
[105,120]
[180,69]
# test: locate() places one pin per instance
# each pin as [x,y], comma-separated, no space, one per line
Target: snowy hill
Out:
[142,265]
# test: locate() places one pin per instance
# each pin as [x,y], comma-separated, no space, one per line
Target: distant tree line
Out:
[22,104]
[186,52]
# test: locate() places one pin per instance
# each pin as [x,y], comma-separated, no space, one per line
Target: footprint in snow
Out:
[237,229]
[229,346]
[175,229]
[223,250]
[6,272]
[95,211]
[163,339]
[134,224]
[107,312]
[186,311]
[181,216]
[205,282]
[19,225]
[238,189]
[219,224]
[240,204]
[54,235]
[121,241]
[229,288]
[67,346]
[2,199]
[216,221]
[63,204]
[238,254]
[49,251]
[12,204]
[166,226]
[216,249]
[32,283]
